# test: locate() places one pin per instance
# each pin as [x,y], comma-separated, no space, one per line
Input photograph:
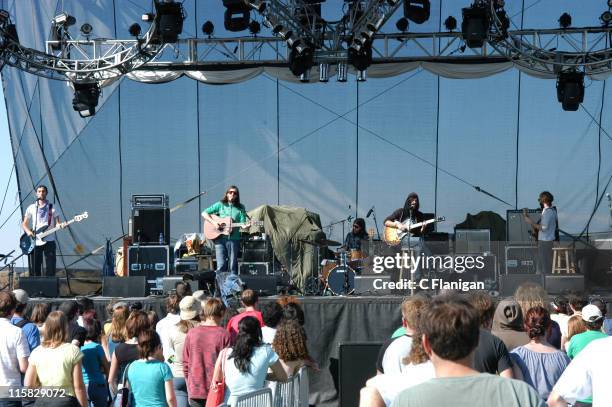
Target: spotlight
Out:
[135,30]
[305,77]
[293,42]
[475,26]
[323,72]
[148,17]
[402,24]
[282,32]
[208,28]
[301,60]
[450,23]
[361,76]
[258,5]
[86,29]
[360,56]
[64,19]
[254,27]
[606,17]
[169,17]
[237,15]
[342,72]
[570,90]
[417,11]
[86,98]
[565,20]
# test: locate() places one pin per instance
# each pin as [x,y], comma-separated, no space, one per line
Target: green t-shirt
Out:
[237,213]
[580,341]
[474,391]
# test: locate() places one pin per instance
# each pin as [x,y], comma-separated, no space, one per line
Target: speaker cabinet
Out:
[40,286]
[169,283]
[149,223]
[509,283]
[132,286]
[565,284]
[357,363]
[149,261]
[517,230]
[263,285]
[372,284]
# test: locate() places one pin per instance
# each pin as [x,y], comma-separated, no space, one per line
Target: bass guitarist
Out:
[42,215]
[226,247]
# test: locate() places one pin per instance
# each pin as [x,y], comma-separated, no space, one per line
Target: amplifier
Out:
[565,284]
[40,286]
[521,259]
[469,241]
[150,201]
[148,261]
[254,268]
[263,285]
[149,224]
[376,284]
[187,265]
[257,251]
[517,230]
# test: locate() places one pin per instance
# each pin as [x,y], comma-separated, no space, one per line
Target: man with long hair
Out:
[547,229]
[354,239]
[226,248]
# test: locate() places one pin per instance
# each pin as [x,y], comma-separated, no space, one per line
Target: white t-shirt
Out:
[548,222]
[13,345]
[39,218]
[397,350]
[589,373]
[163,329]
[390,385]
[561,319]
[268,334]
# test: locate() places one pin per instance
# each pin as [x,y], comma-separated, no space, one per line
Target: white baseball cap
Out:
[591,313]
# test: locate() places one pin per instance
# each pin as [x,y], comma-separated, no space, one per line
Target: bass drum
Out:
[336,280]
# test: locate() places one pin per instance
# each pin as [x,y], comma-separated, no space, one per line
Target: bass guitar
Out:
[394,236]
[226,225]
[27,243]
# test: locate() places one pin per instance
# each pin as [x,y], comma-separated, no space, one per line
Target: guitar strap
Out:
[50,215]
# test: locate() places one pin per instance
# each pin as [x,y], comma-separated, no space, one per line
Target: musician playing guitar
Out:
[39,215]
[546,230]
[226,247]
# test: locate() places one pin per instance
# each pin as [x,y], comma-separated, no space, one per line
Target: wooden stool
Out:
[561,254]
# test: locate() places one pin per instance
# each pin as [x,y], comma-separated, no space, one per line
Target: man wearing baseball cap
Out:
[29,329]
[593,319]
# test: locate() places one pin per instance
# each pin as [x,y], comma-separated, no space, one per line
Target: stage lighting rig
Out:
[237,14]
[301,59]
[570,90]
[342,72]
[417,11]
[208,28]
[402,24]
[85,98]
[565,21]
[450,23]
[475,25]
[254,27]
[135,30]
[606,18]
[86,29]
[169,17]
[324,72]
[64,19]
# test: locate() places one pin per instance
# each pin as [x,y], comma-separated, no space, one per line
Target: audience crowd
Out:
[452,349]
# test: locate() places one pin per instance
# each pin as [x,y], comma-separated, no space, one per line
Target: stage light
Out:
[169,17]
[450,23]
[301,59]
[305,77]
[361,76]
[565,20]
[475,26]
[402,24]
[208,28]
[135,30]
[64,19]
[254,27]
[258,5]
[360,56]
[148,17]
[606,17]
[282,32]
[237,15]
[86,98]
[570,90]
[323,72]
[342,73]
[293,42]
[417,11]
[86,29]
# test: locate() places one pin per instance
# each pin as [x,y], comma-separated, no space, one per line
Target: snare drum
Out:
[336,279]
[356,254]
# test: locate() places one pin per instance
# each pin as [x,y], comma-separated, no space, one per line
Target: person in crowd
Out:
[165,325]
[249,299]
[491,354]
[116,333]
[450,335]
[127,352]
[538,363]
[85,304]
[14,348]
[508,324]
[189,313]
[182,289]
[561,314]
[39,315]
[530,295]
[30,329]
[109,316]
[57,363]
[247,362]
[293,310]
[201,349]
[153,319]
[200,296]
[76,333]
[271,313]
[607,322]
[290,346]
[285,299]
[394,350]
[588,374]
[95,364]
[577,303]
[149,378]
[135,306]
[593,321]
[575,326]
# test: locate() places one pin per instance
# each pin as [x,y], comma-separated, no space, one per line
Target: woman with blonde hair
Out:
[116,333]
[575,326]
[56,363]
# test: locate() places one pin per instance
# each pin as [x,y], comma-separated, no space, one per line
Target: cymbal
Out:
[321,243]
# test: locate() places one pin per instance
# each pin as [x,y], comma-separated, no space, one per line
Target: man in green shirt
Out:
[226,247]
[593,319]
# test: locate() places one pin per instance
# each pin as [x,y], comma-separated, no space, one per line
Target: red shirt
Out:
[202,346]
[232,324]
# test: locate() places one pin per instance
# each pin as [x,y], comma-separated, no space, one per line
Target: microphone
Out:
[370,212]
[349,218]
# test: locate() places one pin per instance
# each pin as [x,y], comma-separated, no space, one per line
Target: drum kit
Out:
[337,276]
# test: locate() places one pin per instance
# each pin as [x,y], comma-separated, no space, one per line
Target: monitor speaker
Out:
[510,282]
[132,286]
[40,286]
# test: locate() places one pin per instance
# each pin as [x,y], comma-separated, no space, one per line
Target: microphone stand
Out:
[376,223]
[610,209]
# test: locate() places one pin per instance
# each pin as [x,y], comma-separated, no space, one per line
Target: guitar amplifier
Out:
[148,261]
[517,230]
[150,201]
[521,259]
[469,241]
[254,268]
[259,251]
[187,265]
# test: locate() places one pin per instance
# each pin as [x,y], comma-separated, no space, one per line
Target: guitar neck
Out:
[55,229]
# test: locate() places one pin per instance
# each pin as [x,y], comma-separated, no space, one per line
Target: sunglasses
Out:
[232,192]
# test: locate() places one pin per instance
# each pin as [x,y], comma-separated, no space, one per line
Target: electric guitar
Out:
[394,236]
[27,243]
[226,225]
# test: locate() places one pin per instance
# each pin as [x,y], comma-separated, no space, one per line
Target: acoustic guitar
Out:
[226,225]
[394,236]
